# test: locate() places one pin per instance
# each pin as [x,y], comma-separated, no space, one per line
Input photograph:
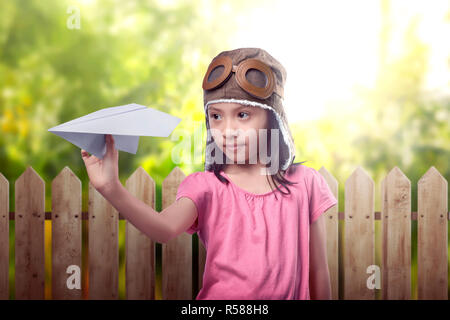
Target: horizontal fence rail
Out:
[341,215]
[357,249]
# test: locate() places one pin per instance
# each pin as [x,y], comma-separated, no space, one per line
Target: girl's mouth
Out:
[234,146]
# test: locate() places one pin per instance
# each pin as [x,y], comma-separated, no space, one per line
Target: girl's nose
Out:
[233,125]
[231,132]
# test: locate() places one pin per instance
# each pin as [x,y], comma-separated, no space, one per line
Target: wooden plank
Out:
[103,248]
[66,236]
[139,248]
[29,236]
[396,236]
[432,233]
[177,253]
[359,247]
[4,238]
[332,227]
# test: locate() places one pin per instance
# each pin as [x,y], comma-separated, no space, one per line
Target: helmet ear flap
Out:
[282,152]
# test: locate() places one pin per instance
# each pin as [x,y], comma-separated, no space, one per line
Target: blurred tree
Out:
[407,126]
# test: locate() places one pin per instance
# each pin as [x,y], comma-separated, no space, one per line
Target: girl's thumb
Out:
[107,140]
[85,156]
[109,143]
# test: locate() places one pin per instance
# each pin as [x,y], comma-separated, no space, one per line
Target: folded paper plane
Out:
[125,123]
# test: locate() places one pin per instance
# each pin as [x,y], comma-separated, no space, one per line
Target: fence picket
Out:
[29,236]
[332,227]
[139,248]
[66,234]
[103,248]
[396,236]
[359,246]
[4,238]
[177,253]
[432,233]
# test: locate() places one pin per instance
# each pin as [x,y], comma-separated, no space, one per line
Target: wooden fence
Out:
[357,249]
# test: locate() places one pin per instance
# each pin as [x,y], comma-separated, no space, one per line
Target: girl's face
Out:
[237,124]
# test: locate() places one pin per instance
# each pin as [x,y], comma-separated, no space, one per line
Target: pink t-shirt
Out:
[257,246]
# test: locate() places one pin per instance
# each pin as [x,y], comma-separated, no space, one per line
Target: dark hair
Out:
[277,178]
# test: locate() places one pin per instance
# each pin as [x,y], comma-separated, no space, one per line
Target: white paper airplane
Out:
[125,123]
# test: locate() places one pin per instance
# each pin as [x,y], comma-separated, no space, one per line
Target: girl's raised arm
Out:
[160,227]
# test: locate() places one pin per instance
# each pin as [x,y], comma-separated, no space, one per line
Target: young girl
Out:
[262,243]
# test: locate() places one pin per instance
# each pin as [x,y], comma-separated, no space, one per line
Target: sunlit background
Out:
[330,48]
[368,83]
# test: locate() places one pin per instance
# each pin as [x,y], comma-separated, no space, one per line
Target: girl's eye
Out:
[244,113]
[213,115]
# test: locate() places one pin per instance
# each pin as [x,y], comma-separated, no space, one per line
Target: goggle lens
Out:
[256,78]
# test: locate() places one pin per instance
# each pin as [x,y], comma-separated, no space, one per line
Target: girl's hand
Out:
[103,173]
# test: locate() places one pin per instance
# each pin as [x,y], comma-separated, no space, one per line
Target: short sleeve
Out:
[193,187]
[320,196]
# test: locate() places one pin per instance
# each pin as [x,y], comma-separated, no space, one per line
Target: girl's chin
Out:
[236,155]
[237,158]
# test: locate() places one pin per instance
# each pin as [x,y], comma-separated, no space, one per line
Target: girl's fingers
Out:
[84,154]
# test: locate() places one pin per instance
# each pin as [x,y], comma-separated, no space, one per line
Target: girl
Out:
[261,242]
